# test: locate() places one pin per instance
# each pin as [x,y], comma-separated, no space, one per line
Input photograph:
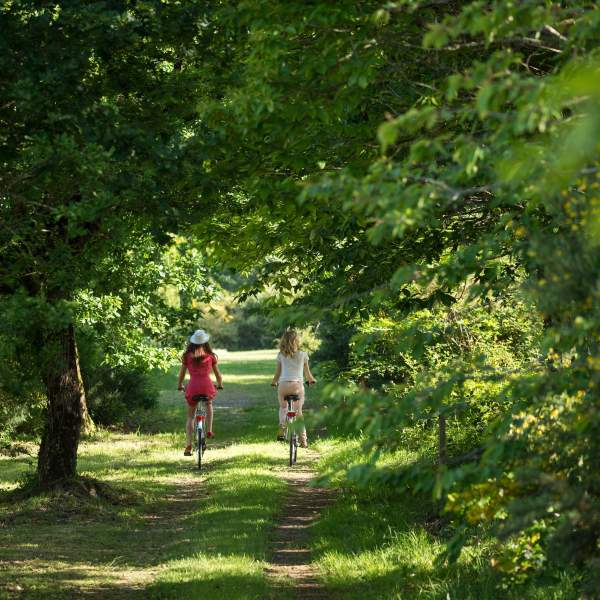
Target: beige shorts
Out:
[290,387]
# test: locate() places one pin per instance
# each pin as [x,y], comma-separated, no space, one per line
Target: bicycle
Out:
[290,433]
[199,420]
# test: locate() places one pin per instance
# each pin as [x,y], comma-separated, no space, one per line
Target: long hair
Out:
[191,348]
[289,343]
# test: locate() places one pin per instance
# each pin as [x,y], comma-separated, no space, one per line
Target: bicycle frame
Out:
[290,434]
[199,427]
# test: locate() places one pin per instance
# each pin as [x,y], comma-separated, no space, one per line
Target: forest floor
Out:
[172,531]
[247,527]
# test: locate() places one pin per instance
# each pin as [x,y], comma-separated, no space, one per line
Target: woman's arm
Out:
[181,377]
[277,374]
[218,375]
[307,374]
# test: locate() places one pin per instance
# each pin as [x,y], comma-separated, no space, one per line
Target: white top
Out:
[292,367]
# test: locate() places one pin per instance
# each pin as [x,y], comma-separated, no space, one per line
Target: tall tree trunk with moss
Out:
[87,424]
[57,460]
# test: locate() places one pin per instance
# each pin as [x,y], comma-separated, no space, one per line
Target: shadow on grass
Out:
[199,531]
[74,582]
[251,586]
[49,547]
[194,584]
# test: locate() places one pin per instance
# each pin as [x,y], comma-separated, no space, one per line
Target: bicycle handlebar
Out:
[305,383]
[182,389]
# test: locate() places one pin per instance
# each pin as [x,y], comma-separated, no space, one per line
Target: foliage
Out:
[333,353]
[95,175]
[397,360]
[426,170]
[21,397]
[487,118]
[513,171]
[238,326]
[120,337]
[115,395]
[20,415]
[248,324]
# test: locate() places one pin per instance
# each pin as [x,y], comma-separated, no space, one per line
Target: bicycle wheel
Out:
[293,448]
[200,445]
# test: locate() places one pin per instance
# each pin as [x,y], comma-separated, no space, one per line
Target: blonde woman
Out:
[292,369]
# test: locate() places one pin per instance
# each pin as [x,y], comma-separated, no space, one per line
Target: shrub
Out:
[396,362]
[116,394]
[22,401]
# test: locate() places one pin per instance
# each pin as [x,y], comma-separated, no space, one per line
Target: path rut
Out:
[291,561]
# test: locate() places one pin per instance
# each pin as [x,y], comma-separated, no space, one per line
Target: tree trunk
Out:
[87,424]
[442,440]
[57,458]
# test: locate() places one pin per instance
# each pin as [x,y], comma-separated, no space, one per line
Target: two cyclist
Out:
[291,372]
[199,359]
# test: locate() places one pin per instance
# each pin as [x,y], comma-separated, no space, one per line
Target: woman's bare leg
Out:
[282,411]
[209,416]
[189,425]
[298,408]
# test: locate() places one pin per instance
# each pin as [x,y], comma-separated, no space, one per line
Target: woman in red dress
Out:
[199,359]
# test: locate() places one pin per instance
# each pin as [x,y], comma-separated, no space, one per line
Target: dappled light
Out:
[300,299]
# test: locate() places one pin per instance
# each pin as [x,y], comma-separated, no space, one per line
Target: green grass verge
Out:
[375,545]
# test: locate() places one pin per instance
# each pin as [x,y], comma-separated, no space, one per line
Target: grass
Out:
[373,544]
[180,532]
[226,555]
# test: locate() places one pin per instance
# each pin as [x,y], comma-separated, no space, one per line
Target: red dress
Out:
[200,381]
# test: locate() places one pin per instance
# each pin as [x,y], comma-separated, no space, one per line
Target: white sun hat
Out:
[199,337]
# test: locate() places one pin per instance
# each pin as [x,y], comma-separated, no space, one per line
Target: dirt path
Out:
[291,558]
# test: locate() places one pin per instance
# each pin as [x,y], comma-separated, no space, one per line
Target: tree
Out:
[487,119]
[94,104]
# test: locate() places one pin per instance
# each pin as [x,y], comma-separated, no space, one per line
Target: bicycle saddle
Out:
[292,397]
[199,398]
